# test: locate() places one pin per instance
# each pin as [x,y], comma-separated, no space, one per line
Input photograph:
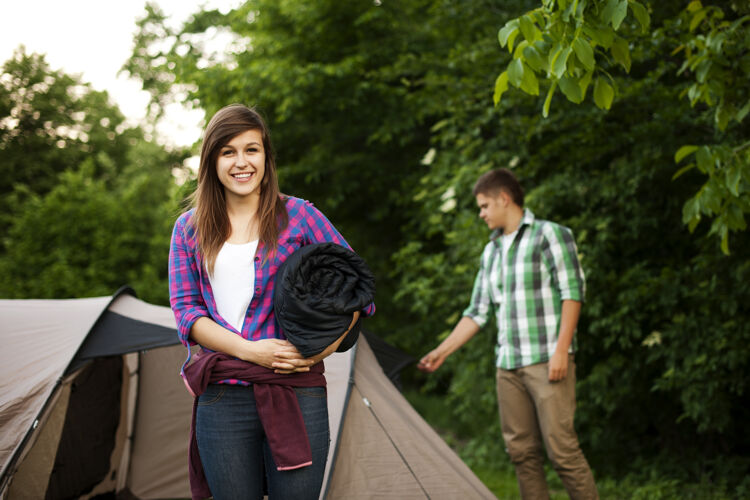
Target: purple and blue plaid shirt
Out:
[190,293]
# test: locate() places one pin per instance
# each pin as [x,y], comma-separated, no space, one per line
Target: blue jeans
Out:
[235,453]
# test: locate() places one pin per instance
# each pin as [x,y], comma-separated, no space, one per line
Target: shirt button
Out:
[257,259]
[257,289]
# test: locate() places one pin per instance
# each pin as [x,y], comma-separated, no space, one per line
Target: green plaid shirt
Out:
[541,270]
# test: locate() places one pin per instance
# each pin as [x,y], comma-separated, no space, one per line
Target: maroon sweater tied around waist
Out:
[275,400]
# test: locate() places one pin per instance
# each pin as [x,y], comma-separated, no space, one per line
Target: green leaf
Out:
[584,52]
[608,12]
[702,70]
[571,88]
[733,178]
[621,52]
[697,18]
[569,10]
[641,13]
[725,242]
[742,113]
[683,152]
[715,41]
[584,83]
[515,72]
[501,85]
[602,35]
[603,93]
[559,61]
[548,100]
[693,223]
[510,28]
[684,169]
[694,5]
[691,212]
[705,159]
[529,84]
[619,15]
[534,59]
[736,217]
[528,28]
[723,114]
[739,21]
[520,48]
[695,92]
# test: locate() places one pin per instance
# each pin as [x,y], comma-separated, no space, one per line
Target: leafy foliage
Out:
[571,43]
[86,199]
[51,121]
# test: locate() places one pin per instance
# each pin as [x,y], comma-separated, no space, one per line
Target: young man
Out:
[530,276]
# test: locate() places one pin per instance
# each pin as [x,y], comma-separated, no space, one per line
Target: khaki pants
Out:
[533,411]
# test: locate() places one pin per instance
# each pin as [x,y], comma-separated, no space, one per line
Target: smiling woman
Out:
[224,257]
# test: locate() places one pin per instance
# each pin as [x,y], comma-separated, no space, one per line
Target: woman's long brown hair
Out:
[210,218]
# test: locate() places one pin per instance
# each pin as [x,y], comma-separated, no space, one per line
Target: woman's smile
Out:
[241,164]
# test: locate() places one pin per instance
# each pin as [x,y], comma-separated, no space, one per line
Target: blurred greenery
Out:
[382,114]
[86,200]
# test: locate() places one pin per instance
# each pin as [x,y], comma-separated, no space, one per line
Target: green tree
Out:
[84,238]
[572,44]
[87,202]
[51,121]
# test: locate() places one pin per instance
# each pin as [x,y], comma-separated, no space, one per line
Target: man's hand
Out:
[558,366]
[431,361]
[462,332]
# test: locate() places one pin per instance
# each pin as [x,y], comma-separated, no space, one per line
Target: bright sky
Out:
[94,38]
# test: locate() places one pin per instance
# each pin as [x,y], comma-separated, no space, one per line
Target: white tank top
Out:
[233,281]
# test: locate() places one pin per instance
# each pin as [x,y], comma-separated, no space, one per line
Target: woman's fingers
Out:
[288,354]
[292,362]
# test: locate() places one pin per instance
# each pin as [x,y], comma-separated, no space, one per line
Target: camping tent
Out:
[91,404]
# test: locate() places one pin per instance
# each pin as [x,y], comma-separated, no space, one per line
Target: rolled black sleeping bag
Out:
[318,288]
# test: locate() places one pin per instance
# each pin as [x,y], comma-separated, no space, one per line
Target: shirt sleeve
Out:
[566,269]
[481,304]
[184,287]
[320,230]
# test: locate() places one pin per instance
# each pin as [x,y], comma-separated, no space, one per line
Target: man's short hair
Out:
[501,179]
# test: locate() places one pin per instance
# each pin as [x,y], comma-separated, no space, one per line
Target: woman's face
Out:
[241,165]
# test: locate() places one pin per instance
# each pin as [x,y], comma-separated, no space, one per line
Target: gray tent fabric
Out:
[39,338]
[53,351]
[50,348]
[386,450]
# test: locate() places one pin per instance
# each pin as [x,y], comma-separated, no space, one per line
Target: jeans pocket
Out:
[312,392]
[212,394]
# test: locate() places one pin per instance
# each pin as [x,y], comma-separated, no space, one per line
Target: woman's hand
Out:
[275,354]
[282,357]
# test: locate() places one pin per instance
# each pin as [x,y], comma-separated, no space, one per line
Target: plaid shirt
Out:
[190,293]
[541,270]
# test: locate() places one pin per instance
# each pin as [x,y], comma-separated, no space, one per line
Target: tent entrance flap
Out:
[88,436]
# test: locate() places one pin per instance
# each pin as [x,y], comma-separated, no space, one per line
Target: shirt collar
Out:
[527,219]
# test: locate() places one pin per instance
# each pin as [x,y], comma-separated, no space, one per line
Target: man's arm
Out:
[462,333]
[558,363]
